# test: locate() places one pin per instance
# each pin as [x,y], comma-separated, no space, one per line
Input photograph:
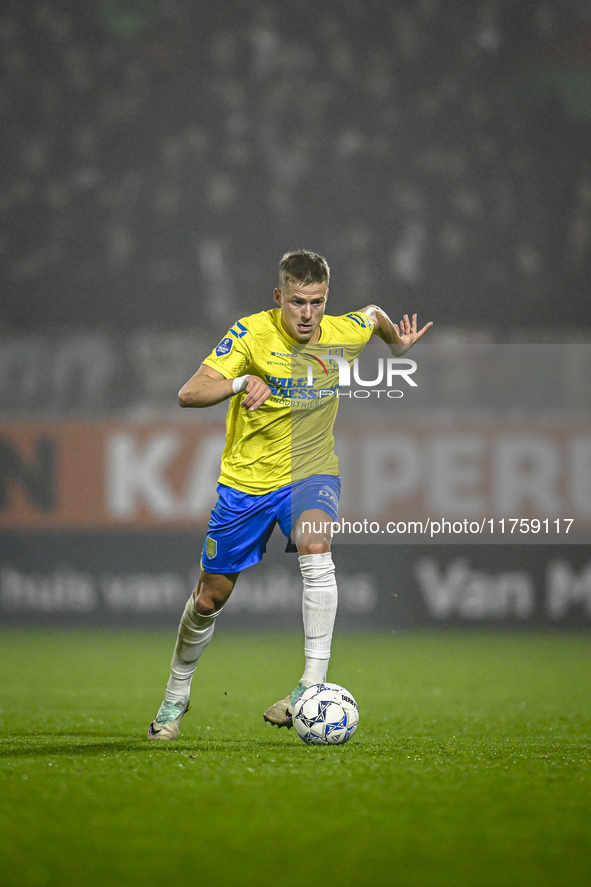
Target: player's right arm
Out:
[208,387]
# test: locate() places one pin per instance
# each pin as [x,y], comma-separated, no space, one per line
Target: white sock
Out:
[194,634]
[319,609]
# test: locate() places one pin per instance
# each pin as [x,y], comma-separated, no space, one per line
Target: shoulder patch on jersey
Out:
[360,320]
[238,330]
[224,347]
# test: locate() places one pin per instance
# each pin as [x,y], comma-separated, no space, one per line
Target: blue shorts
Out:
[241,524]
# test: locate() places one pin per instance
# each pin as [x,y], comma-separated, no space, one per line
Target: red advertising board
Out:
[105,475]
[130,475]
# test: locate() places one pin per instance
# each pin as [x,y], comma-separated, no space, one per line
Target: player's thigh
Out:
[309,511]
[238,531]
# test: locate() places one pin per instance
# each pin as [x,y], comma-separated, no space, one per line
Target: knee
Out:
[212,592]
[206,604]
[314,548]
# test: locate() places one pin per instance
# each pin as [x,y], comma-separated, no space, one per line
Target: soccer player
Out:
[278,465]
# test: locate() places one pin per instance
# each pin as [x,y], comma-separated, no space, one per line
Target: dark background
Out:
[159,156]
[144,580]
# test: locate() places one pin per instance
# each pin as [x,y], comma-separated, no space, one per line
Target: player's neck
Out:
[316,337]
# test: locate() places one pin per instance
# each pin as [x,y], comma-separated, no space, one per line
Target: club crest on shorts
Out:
[211,547]
[224,347]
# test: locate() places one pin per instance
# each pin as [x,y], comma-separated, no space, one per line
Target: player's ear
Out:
[277,295]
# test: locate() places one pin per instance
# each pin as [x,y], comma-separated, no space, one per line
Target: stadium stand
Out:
[159,157]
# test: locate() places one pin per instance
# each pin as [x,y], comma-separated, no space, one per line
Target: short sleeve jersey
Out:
[290,436]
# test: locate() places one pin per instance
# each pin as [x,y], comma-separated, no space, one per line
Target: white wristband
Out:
[239,384]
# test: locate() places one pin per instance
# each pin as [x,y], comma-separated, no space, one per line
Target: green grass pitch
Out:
[470,767]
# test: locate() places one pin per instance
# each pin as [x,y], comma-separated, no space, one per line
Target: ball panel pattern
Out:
[325,714]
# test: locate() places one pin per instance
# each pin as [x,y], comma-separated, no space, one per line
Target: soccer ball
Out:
[325,714]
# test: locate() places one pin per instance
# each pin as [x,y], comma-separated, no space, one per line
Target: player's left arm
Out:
[398,336]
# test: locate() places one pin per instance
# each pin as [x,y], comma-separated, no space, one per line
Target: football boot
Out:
[166,724]
[281,713]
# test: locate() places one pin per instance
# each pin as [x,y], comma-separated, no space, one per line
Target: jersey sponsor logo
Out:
[296,389]
[238,330]
[224,347]
[317,359]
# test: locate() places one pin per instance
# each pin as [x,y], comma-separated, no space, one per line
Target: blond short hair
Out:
[304,267]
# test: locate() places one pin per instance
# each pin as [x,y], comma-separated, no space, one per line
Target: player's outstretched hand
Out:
[408,333]
[257,393]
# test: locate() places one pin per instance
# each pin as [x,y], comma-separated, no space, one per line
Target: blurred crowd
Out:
[159,156]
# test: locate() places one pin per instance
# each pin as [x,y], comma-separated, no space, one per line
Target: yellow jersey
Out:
[290,436]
